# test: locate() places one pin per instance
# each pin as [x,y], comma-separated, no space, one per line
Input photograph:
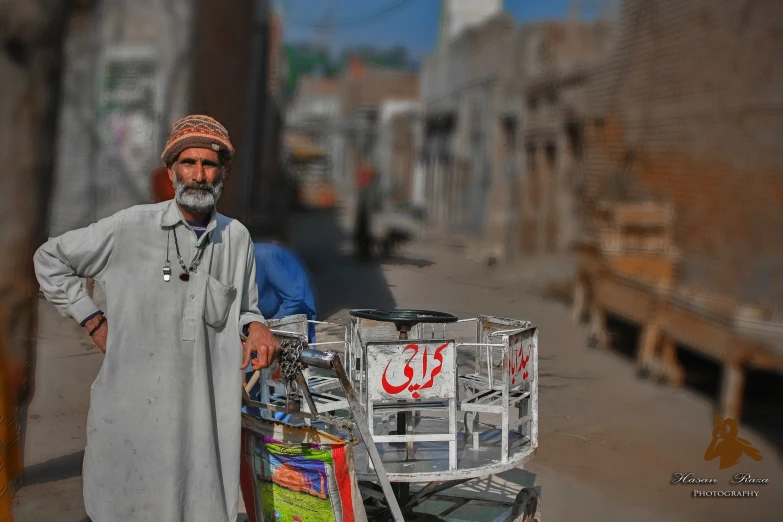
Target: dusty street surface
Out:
[609,443]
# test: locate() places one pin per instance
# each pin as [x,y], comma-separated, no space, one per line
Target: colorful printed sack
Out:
[297,474]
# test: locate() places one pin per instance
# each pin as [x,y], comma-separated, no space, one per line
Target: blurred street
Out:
[600,459]
[609,171]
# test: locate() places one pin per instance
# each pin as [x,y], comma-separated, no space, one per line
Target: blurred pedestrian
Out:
[283,285]
[365,184]
[163,431]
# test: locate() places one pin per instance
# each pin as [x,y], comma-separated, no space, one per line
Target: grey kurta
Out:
[163,431]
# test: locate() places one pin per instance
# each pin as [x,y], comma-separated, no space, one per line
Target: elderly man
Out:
[163,431]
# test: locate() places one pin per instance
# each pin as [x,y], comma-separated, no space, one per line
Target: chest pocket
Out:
[217,306]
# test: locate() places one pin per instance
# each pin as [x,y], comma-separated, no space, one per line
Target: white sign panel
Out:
[522,356]
[411,370]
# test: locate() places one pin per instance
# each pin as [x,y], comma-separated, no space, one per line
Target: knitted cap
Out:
[196,131]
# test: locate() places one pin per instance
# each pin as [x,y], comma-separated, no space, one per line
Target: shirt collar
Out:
[173,216]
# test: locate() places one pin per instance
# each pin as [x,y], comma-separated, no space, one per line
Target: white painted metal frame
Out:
[486,394]
[440,387]
[363,331]
[487,389]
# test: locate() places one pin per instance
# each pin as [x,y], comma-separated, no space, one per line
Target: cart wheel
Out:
[527,506]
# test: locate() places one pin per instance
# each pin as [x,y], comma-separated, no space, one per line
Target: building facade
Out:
[397,148]
[461,89]
[364,88]
[499,104]
[545,131]
[689,112]
[131,69]
[313,115]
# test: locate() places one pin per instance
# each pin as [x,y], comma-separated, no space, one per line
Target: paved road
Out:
[609,443]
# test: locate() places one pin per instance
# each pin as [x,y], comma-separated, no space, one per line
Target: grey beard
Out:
[203,199]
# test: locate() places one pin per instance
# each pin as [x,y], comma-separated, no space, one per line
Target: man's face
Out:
[198,179]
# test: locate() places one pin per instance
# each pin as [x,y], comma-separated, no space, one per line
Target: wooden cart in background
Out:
[630,270]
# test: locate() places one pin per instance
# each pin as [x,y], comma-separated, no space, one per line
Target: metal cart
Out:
[456,414]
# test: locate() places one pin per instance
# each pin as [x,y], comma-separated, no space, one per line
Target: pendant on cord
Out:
[194,264]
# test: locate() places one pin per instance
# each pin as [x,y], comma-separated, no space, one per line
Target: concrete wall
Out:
[478,178]
[691,107]
[461,88]
[397,148]
[132,67]
[554,74]
[106,146]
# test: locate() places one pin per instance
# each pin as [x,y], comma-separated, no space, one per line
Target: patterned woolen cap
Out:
[196,131]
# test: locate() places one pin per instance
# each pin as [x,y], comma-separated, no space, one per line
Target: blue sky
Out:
[414,25]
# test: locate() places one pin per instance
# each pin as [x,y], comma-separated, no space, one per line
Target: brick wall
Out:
[691,107]
[375,84]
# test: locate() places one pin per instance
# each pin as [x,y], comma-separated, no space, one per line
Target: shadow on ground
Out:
[340,280]
[513,481]
[404,261]
[53,470]
[762,403]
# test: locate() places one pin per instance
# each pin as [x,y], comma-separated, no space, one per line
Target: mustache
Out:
[205,187]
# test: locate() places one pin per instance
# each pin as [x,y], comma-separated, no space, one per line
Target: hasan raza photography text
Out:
[739,478]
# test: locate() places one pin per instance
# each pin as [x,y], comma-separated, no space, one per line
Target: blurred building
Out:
[397,148]
[132,68]
[316,99]
[363,89]
[342,114]
[499,103]
[313,115]
[682,201]
[544,131]
[688,112]
[461,93]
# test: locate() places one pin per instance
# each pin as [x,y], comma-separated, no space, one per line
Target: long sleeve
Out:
[248,310]
[62,262]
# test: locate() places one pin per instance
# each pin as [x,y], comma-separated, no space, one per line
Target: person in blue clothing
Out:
[283,285]
[283,290]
